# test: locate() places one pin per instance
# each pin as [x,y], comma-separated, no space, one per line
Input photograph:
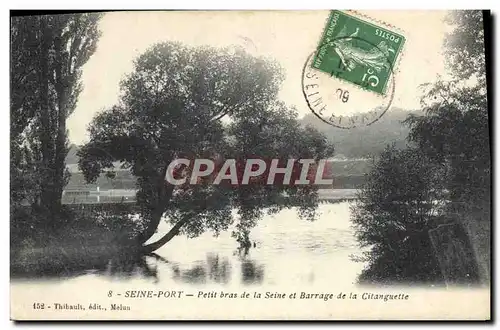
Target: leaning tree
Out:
[203,102]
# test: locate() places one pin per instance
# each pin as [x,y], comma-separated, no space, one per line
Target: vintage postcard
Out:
[250,165]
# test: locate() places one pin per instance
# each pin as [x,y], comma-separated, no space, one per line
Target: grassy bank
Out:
[82,238]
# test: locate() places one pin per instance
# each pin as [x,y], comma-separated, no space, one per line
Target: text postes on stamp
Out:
[358,51]
[349,79]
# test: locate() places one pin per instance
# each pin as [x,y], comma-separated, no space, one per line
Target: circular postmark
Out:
[350,93]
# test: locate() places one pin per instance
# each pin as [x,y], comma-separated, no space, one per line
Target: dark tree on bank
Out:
[455,131]
[183,102]
[396,207]
[465,51]
[452,140]
[459,138]
[47,56]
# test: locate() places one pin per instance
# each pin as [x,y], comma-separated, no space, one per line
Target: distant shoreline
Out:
[128,196]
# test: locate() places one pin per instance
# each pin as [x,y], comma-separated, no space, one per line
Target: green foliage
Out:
[455,131]
[456,136]
[171,107]
[397,206]
[465,51]
[444,176]
[47,56]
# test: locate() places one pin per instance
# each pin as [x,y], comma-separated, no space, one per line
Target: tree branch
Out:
[149,248]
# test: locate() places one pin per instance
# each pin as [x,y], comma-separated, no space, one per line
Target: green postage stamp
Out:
[358,51]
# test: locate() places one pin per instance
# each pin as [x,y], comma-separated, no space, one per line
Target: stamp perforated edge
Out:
[395,67]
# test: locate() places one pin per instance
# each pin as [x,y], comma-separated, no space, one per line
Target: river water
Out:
[286,251]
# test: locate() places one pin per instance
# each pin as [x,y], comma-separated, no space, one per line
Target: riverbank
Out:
[282,241]
[127,196]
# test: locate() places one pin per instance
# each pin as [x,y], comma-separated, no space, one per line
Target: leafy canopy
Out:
[172,106]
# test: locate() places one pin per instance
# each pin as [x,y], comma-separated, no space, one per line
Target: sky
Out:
[286,36]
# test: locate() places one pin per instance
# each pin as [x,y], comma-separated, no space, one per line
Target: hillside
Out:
[354,147]
[366,141]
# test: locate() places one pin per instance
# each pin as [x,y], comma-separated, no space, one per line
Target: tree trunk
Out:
[164,194]
[153,224]
[166,238]
[62,87]
[59,168]
[46,184]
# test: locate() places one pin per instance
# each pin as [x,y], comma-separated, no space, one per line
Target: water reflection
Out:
[214,269]
[284,251]
[130,267]
[251,272]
